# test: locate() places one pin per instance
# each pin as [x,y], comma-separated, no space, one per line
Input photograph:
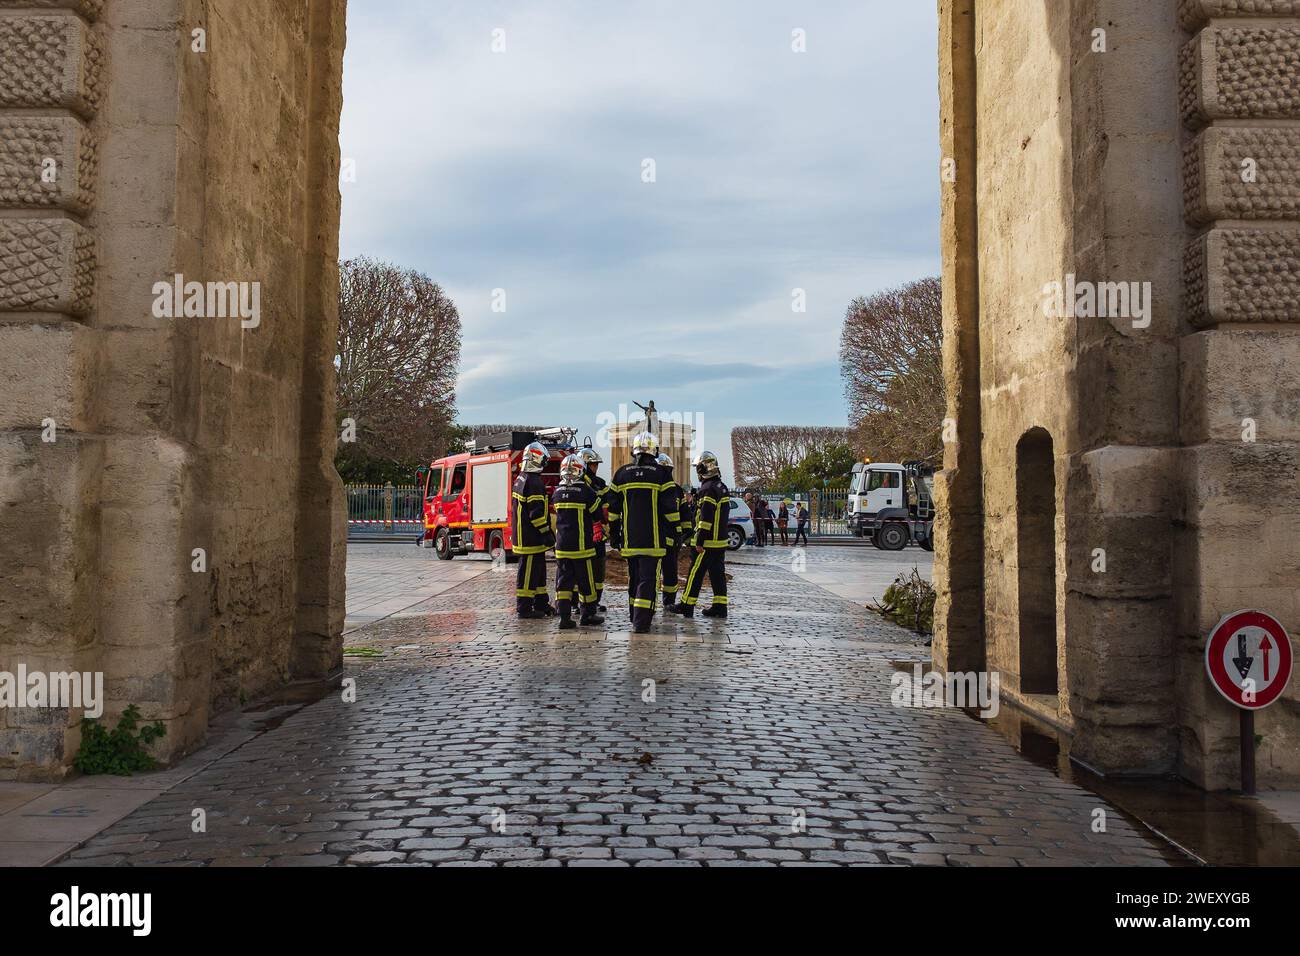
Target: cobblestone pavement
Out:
[389,577]
[769,739]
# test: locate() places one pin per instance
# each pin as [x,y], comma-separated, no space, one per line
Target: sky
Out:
[524,169]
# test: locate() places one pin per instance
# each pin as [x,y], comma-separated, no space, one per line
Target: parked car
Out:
[740,524]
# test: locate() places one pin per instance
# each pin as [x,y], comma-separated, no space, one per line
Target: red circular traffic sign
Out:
[1248,657]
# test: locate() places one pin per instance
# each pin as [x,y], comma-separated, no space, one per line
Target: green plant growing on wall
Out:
[120,751]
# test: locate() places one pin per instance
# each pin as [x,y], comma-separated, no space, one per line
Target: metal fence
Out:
[384,509]
[827,510]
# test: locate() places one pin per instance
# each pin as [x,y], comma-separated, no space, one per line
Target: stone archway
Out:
[189,140]
[1035,564]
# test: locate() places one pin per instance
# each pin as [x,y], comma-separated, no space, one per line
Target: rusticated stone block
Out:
[49,61]
[1193,13]
[1238,172]
[1229,72]
[1243,275]
[90,9]
[46,265]
[28,144]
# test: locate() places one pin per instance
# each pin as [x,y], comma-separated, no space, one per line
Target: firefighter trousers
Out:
[713,562]
[642,580]
[575,583]
[530,582]
[668,574]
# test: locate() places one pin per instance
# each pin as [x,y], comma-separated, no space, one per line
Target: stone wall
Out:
[1116,157]
[1239,400]
[212,155]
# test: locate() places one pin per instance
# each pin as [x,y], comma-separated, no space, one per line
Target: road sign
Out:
[1248,657]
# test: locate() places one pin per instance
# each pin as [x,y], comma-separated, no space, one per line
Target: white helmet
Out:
[590,456]
[534,458]
[706,465]
[645,443]
[572,469]
[665,460]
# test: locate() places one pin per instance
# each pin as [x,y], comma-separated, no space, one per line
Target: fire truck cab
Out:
[467,495]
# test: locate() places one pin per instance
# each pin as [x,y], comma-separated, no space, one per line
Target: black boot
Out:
[685,610]
[567,623]
[591,618]
[526,613]
[715,610]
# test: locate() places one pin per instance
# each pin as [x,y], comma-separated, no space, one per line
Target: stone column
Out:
[183,534]
[959,531]
[51,449]
[1239,541]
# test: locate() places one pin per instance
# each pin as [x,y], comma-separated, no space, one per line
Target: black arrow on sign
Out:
[1242,660]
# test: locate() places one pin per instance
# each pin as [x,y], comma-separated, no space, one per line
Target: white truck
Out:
[892,504]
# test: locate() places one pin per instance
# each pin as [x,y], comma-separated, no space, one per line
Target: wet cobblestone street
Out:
[476,739]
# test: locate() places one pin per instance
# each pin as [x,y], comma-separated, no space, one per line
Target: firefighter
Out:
[680,531]
[577,508]
[712,506]
[642,512]
[531,533]
[591,458]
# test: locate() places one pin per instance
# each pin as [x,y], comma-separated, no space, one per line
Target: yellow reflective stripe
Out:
[589,553]
[642,602]
[643,485]
[519,497]
[719,599]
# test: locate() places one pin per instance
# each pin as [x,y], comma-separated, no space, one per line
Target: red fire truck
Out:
[467,496]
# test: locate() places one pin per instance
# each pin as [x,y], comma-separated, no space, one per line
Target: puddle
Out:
[1218,829]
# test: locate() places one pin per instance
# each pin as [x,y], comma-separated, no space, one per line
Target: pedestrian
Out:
[801,531]
[643,508]
[577,507]
[769,517]
[531,535]
[591,458]
[783,522]
[709,541]
[760,526]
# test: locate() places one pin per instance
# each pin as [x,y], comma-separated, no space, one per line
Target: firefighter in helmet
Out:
[643,512]
[591,459]
[679,531]
[531,533]
[712,506]
[577,508]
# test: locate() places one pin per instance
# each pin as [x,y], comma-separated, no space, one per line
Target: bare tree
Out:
[891,360]
[761,452]
[398,353]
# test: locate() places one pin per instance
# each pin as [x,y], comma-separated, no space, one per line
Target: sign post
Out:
[1248,658]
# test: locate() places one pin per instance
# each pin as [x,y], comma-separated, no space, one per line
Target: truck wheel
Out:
[496,546]
[927,542]
[442,544]
[892,536]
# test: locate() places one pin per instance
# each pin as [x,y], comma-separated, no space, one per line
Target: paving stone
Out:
[482,715]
